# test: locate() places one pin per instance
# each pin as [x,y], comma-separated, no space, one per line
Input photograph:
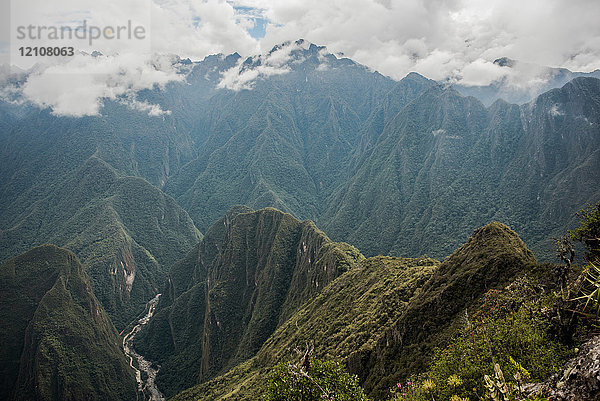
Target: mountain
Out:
[400,168]
[284,143]
[522,83]
[491,258]
[403,167]
[57,341]
[445,162]
[125,231]
[415,168]
[384,316]
[247,277]
[416,158]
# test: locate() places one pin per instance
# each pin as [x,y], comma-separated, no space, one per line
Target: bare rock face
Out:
[579,379]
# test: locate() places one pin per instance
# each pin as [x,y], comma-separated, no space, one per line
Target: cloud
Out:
[451,40]
[188,28]
[78,85]
[276,62]
[482,72]
[153,110]
[197,29]
[11,79]
[442,39]
[77,88]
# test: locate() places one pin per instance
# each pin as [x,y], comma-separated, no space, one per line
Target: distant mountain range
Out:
[523,83]
[402,168]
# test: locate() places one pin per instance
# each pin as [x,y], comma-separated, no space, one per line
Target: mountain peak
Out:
[490,244]
[415,76]
[505,62]
[258,267]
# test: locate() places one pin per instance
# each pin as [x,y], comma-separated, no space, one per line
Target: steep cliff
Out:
[252,271]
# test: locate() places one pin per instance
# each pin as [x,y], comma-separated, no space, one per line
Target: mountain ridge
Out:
[298,141]
[121,228]
[56,332]
[382,318]
[251,272]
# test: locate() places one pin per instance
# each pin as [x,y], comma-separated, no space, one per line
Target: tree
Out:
[313,380]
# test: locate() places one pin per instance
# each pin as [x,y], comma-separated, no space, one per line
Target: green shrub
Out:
[509,330]
[323,380]
[588,233]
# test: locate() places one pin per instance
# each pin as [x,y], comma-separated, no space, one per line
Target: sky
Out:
[454,40]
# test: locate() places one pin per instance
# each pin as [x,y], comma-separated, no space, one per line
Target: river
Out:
[144,365]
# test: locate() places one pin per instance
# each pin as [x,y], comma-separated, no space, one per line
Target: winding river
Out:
[144,365]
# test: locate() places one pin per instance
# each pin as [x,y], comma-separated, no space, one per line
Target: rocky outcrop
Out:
[579,379]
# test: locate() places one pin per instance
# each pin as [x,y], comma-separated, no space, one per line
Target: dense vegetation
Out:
[57,341]
[445,164]
[384,318]
[125,231]
[402,168]
[510,328]
[313,380]
[588,233]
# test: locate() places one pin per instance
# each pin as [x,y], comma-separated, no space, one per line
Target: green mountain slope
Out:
[57,341]
[251,272]
[490,258]
[285,143]
[124,230]
[384,317]
[445,163]
[557,162]
[331,141]
[417,157]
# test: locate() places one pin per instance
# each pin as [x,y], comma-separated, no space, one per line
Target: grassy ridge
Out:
[384,317]
[491,258]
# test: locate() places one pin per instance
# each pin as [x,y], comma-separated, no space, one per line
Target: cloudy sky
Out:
[441,39]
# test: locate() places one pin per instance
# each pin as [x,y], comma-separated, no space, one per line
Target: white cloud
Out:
[454,40]
[442,38]
[275,62]
[153,110]
[197,29]
[482,72]
[78,87]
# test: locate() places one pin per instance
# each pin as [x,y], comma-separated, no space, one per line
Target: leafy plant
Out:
[497,387]
[588,233]
[590,290]
[312,380]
